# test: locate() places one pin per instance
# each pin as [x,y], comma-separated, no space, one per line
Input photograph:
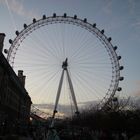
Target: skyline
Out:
[119,19]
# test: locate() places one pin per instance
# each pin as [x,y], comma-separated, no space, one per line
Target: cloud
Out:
[108,7]
[46,110]
[63,110]
[136,24]
[18,8]
[132,6]
[136,92]
[134,12]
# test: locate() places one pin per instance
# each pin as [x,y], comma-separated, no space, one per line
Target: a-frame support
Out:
[64,67]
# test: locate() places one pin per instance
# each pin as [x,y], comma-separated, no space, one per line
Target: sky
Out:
[120,20]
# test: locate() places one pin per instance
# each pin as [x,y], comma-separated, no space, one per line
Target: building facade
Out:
[15,102]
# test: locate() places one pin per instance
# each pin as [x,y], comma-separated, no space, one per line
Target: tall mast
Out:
[64,69]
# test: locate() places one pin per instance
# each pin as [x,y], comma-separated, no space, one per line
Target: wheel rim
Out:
[95,37]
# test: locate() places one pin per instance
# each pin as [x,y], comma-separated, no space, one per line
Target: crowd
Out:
[72,133]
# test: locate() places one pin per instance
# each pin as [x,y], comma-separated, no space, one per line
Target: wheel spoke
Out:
[41,47]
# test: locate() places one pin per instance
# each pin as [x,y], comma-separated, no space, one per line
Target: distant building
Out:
[15,102]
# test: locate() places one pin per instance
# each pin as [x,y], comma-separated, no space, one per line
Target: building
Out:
[15,102]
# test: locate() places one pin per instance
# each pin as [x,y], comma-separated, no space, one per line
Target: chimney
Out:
[21,77]
[2,36]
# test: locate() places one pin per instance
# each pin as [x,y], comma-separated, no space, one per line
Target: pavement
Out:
[136,137]
[25,138]
[14,138]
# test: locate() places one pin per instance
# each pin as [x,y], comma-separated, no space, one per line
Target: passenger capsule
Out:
[102,31]
[109,39]
[44,17]
[85,20]
[34,20]
[115,48]
[65,15]
[115,99]
[55,111]
[119,89]
[75,16]
[121,68]
[10,41]
[77,113]
[5,51]
[25,26]
[54,15]
[121,78]
[119,57]
[94,25]
[17,33]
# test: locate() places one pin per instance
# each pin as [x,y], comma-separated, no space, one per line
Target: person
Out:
[136,137]
[52,134]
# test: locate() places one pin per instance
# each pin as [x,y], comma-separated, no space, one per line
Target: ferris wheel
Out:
[67,61]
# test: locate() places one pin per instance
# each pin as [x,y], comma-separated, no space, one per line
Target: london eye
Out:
[67,62]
